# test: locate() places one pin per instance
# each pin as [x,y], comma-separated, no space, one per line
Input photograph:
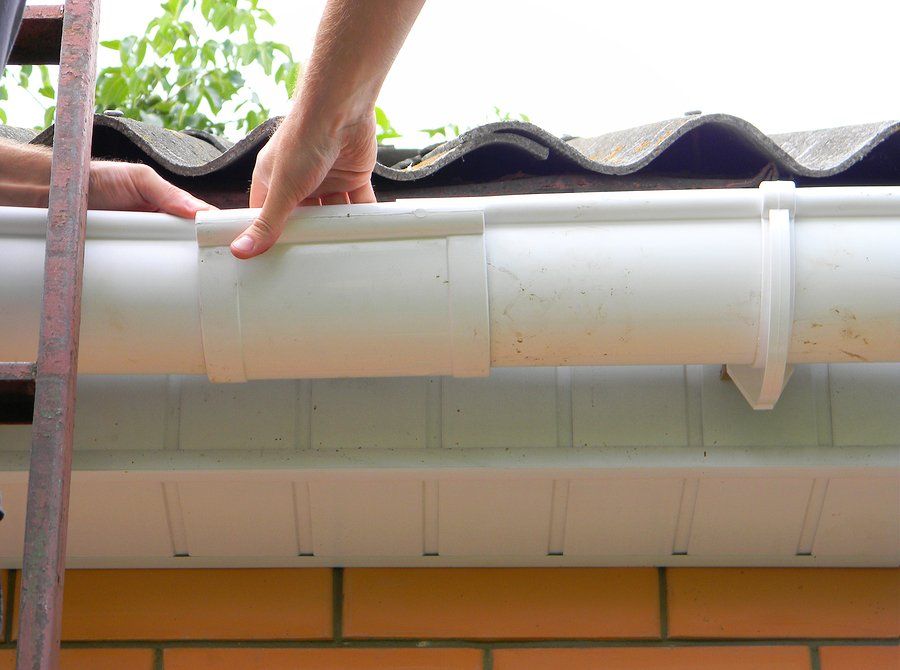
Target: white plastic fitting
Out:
[396,291]
[762,382]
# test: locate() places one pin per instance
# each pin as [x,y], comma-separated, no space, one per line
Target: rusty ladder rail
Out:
[54,373]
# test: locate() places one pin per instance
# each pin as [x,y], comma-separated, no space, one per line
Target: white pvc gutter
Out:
[755,278]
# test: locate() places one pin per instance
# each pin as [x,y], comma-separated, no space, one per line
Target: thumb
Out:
[258,192]
[268,224]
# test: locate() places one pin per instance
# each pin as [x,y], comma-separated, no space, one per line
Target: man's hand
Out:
[25,182]
[310,166]
[137,187]
[325,149]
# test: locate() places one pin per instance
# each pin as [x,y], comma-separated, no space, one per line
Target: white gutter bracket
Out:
[762,382]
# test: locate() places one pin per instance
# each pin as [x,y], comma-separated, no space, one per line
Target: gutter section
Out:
[456,286]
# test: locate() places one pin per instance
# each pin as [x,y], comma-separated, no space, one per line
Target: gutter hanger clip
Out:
[763,382]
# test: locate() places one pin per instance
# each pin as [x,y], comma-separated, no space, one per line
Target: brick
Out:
[668,658]
[539,603]
[323,659]
[92,659]
[859,658]
[783,603]
[197,604]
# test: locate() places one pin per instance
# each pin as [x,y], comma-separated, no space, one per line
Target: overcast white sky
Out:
[585,67]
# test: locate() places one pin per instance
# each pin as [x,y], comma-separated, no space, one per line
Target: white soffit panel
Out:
[239,518]
[860,516]
[512,407]
[255,415]
[749,516]
[621,516]
[629,406]
[385,413]
[118,519]
[127,411]
[15,438]
[366,518]
[726,421]
[12,528]
[488,518]
[523,500]
[865,402]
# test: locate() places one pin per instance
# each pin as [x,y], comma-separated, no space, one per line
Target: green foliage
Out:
[176,77]
[506,116]
[447,131]
[189,78]
[450,130]
[22,78]
[385,130]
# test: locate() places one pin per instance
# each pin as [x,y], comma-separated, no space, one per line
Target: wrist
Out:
[24,175]
[323,110]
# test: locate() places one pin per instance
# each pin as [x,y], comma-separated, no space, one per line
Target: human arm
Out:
[325,149]
[25,182]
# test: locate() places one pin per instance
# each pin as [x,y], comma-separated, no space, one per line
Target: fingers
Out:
[165,197]
[335,199]
[363,194]
[292,170]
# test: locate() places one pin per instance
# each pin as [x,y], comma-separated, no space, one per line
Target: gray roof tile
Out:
[702,146]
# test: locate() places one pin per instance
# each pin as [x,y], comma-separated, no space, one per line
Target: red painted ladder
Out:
[68,36]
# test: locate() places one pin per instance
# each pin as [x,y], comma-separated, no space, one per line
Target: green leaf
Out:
[113,92]
[264,58]
[381,118]
[434,132]
[3,115]
[140,52]
[247,53]
[388,135]
[49,115]
[283,48]
[151,118]
[386,130]
[45,76]
[213,99]
[183,72]
[290,82]
[24,76]
[448,131]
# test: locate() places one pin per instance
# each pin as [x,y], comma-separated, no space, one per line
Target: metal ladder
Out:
[73,29]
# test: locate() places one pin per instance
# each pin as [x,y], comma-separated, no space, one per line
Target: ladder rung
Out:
[40,36]
[17,371]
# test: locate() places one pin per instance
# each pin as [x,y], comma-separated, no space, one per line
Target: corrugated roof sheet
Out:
[692,151]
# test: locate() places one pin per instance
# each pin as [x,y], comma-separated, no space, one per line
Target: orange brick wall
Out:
[474,619]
